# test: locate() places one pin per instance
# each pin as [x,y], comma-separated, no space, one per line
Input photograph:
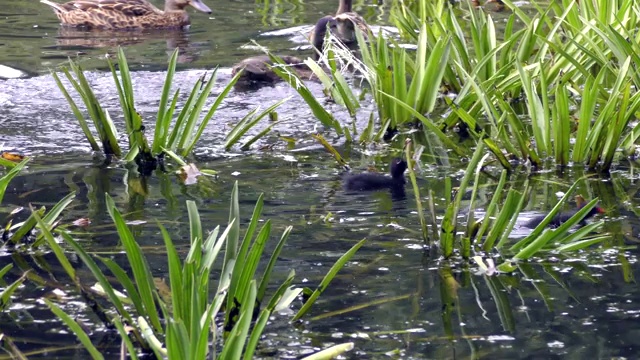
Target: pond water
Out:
[394,299]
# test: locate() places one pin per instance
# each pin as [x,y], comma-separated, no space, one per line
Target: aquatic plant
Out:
[175,133]
[559,61]
[5,294]
[6,178]
[325,117]
[518,94]
[102,122]
[494,229]
[21,233]
[184,320]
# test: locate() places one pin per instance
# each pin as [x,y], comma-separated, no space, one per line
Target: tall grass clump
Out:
[176,131]
[541,91]
[191,322]
[492,232]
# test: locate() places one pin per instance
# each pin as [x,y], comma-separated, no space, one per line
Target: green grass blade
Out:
[327,280]
[163,119]
[76,329]
[139,266]
[6,179]
[264,281]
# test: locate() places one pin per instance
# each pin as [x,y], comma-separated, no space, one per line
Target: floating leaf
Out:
[189,174]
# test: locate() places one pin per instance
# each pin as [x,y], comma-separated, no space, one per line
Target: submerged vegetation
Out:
[549,91]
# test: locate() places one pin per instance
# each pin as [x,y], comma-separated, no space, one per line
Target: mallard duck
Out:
[346,22]
[125,14]
[258,68]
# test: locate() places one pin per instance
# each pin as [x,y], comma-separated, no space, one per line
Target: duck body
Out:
[374,181]
[561,218]
[257,69]
[124,14]
[347,21]
[346,27]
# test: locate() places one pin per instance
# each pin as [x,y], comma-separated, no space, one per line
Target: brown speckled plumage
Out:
[346,21]
[124,14]
[346,26]
[257,69]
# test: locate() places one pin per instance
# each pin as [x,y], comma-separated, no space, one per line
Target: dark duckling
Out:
[125,14]
[373,181]
[562,217]
[257,69]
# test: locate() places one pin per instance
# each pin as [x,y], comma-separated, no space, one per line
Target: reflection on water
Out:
[394,295]
[32,39]
[83,40]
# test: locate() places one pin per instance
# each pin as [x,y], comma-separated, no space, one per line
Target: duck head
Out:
[319,33]
[397,168]
[177,5]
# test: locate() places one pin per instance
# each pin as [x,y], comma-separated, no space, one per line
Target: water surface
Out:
[395,299]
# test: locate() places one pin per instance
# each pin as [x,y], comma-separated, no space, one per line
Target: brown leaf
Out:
[189,174]
[82,222]
[12,156]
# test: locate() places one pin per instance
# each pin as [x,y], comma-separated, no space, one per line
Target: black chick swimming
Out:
[374,181]
[562,217]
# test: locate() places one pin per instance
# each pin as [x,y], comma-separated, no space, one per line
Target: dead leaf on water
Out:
[189,174]
[163,289]
[12,156]
[82,222]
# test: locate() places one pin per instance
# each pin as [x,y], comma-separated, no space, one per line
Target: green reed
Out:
[183,324]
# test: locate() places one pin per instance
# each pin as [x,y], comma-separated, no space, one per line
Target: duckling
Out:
[373,181]
[561,218]
[257,69]
[125,14]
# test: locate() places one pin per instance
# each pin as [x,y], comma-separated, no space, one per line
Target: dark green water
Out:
[396,297]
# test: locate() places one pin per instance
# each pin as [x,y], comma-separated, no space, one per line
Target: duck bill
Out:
[600,210]
[199,5]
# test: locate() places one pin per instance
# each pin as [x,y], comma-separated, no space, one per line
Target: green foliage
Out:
[248,122]
[101,120]
[189,330]
[21,231]
[175,131]
[9,290]
[4,180]
[294,80]
[392,74]
[494,229]
[76,329]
